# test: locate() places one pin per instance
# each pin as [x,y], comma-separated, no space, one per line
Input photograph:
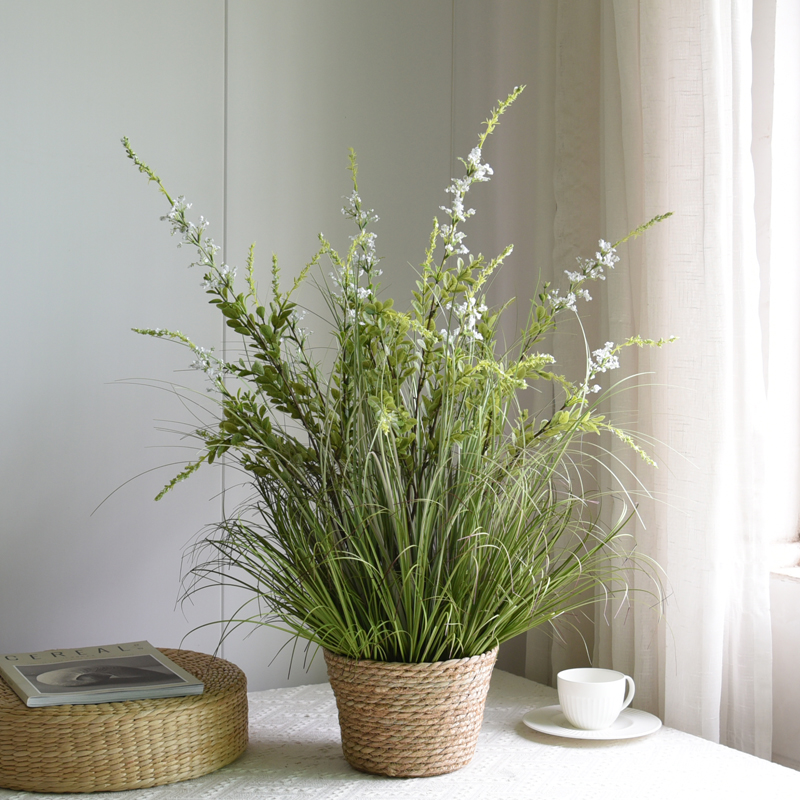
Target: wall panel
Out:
[85,258]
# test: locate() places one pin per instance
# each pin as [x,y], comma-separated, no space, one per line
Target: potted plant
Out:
[409,510]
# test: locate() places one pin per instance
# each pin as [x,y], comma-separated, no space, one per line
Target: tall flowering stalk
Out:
[406,505]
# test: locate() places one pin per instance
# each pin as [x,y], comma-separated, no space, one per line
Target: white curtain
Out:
[653,114]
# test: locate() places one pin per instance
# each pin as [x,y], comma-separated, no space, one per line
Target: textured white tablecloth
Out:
[295,752]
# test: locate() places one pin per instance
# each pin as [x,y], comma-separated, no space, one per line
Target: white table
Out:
[295,753]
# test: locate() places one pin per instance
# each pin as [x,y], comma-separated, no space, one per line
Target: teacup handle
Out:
[631,691]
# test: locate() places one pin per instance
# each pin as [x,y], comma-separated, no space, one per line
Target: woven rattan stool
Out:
[131,745]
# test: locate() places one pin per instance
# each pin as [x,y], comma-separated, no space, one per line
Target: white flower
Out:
[593,268]
[482,173]
[449,338]
[353,210]
[207,362]
[468,314]
[215,280]
[459,186]
[177,216]
[476,170]
[453,241]
[474,157]
[368,244]
[457,211]
[353,202]
[603,359]
[558,302]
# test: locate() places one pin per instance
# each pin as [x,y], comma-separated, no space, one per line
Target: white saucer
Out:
[630,723]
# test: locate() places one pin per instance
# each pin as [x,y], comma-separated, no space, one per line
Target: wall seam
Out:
[225,76]
[452,86]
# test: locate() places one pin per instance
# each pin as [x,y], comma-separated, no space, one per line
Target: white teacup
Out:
[592,699]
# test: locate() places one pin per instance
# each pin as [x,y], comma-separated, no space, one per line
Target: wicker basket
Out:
[135,744]
[410,720]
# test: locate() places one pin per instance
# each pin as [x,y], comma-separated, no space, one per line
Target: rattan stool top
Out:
[135,744]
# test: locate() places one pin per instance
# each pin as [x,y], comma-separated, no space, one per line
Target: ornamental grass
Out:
[406,500]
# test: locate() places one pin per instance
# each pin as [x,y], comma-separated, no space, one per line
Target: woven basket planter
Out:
[130,745]
[410,720]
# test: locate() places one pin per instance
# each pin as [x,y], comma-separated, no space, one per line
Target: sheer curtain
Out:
[654,114]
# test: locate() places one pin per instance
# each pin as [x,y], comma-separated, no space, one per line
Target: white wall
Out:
[248,109]
[83,261]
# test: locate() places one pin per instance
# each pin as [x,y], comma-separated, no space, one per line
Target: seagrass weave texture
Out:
[410,720]
[135,744]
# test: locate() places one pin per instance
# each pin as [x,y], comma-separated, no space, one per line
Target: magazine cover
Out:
[102,674]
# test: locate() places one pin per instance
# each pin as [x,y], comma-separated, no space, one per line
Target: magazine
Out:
[106,674]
